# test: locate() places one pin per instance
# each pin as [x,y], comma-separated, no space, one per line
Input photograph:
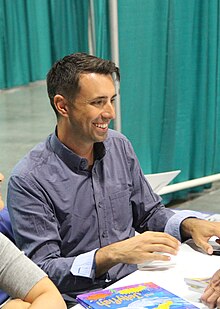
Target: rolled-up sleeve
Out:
[84,265]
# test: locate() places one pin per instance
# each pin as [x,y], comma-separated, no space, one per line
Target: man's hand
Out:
[211,295]
[141,248]
[200,231]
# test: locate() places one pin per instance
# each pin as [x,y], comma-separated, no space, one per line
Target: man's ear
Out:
[61,105]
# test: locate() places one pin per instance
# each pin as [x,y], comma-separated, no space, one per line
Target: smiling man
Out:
[77,199]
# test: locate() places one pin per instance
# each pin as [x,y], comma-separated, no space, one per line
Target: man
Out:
[77,199]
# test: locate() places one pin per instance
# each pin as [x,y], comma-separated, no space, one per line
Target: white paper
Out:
[160,180]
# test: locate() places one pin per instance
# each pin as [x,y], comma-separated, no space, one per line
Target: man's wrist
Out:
[187,226]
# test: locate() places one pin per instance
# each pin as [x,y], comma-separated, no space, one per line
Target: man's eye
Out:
[113,100]
[97,102]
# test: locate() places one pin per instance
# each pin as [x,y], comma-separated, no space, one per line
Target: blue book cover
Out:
[137,296]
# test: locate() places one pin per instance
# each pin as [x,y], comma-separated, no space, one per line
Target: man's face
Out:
[1,201]
[93,108]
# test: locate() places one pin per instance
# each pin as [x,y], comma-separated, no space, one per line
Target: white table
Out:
[188,263]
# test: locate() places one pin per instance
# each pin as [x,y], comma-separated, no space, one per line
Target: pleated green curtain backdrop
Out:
[35,33]
[102,29]
[170,84]
[169,62]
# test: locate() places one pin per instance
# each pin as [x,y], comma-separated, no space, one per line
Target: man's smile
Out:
[101,125]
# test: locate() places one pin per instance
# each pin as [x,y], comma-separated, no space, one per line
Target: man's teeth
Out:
[99,125]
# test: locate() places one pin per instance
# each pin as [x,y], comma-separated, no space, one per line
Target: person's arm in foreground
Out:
[211,295]
[43,295]
[24,281]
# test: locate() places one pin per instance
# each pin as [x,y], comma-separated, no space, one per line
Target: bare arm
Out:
[43,295]
[16,304]
[138,249]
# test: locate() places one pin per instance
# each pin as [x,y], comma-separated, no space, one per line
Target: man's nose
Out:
[109,111]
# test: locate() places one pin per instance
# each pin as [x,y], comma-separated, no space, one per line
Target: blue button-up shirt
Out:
[61,211]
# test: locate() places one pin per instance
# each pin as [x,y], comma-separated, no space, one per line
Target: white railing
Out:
[189,184]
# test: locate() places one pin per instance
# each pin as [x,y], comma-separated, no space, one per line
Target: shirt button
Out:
[83,164]
[99,205]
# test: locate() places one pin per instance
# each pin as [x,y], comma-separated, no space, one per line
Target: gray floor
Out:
[208,201]
[26,118]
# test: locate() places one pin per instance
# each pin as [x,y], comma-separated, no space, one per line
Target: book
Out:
[197,284]
[137,296]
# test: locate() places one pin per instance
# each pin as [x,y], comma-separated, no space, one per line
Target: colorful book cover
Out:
[138,296]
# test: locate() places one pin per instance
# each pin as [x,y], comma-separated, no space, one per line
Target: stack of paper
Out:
[197,284]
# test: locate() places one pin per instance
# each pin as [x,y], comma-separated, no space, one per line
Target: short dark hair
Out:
[63,77]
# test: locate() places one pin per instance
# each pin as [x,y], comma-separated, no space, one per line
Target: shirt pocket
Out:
[121,209]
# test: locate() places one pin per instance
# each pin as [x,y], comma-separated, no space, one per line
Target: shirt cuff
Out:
[173,224]
[84,265]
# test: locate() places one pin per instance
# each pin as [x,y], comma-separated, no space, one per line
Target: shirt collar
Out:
[71,159]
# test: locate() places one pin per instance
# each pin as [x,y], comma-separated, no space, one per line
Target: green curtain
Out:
[169,61]
[35,33]
[102,30]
